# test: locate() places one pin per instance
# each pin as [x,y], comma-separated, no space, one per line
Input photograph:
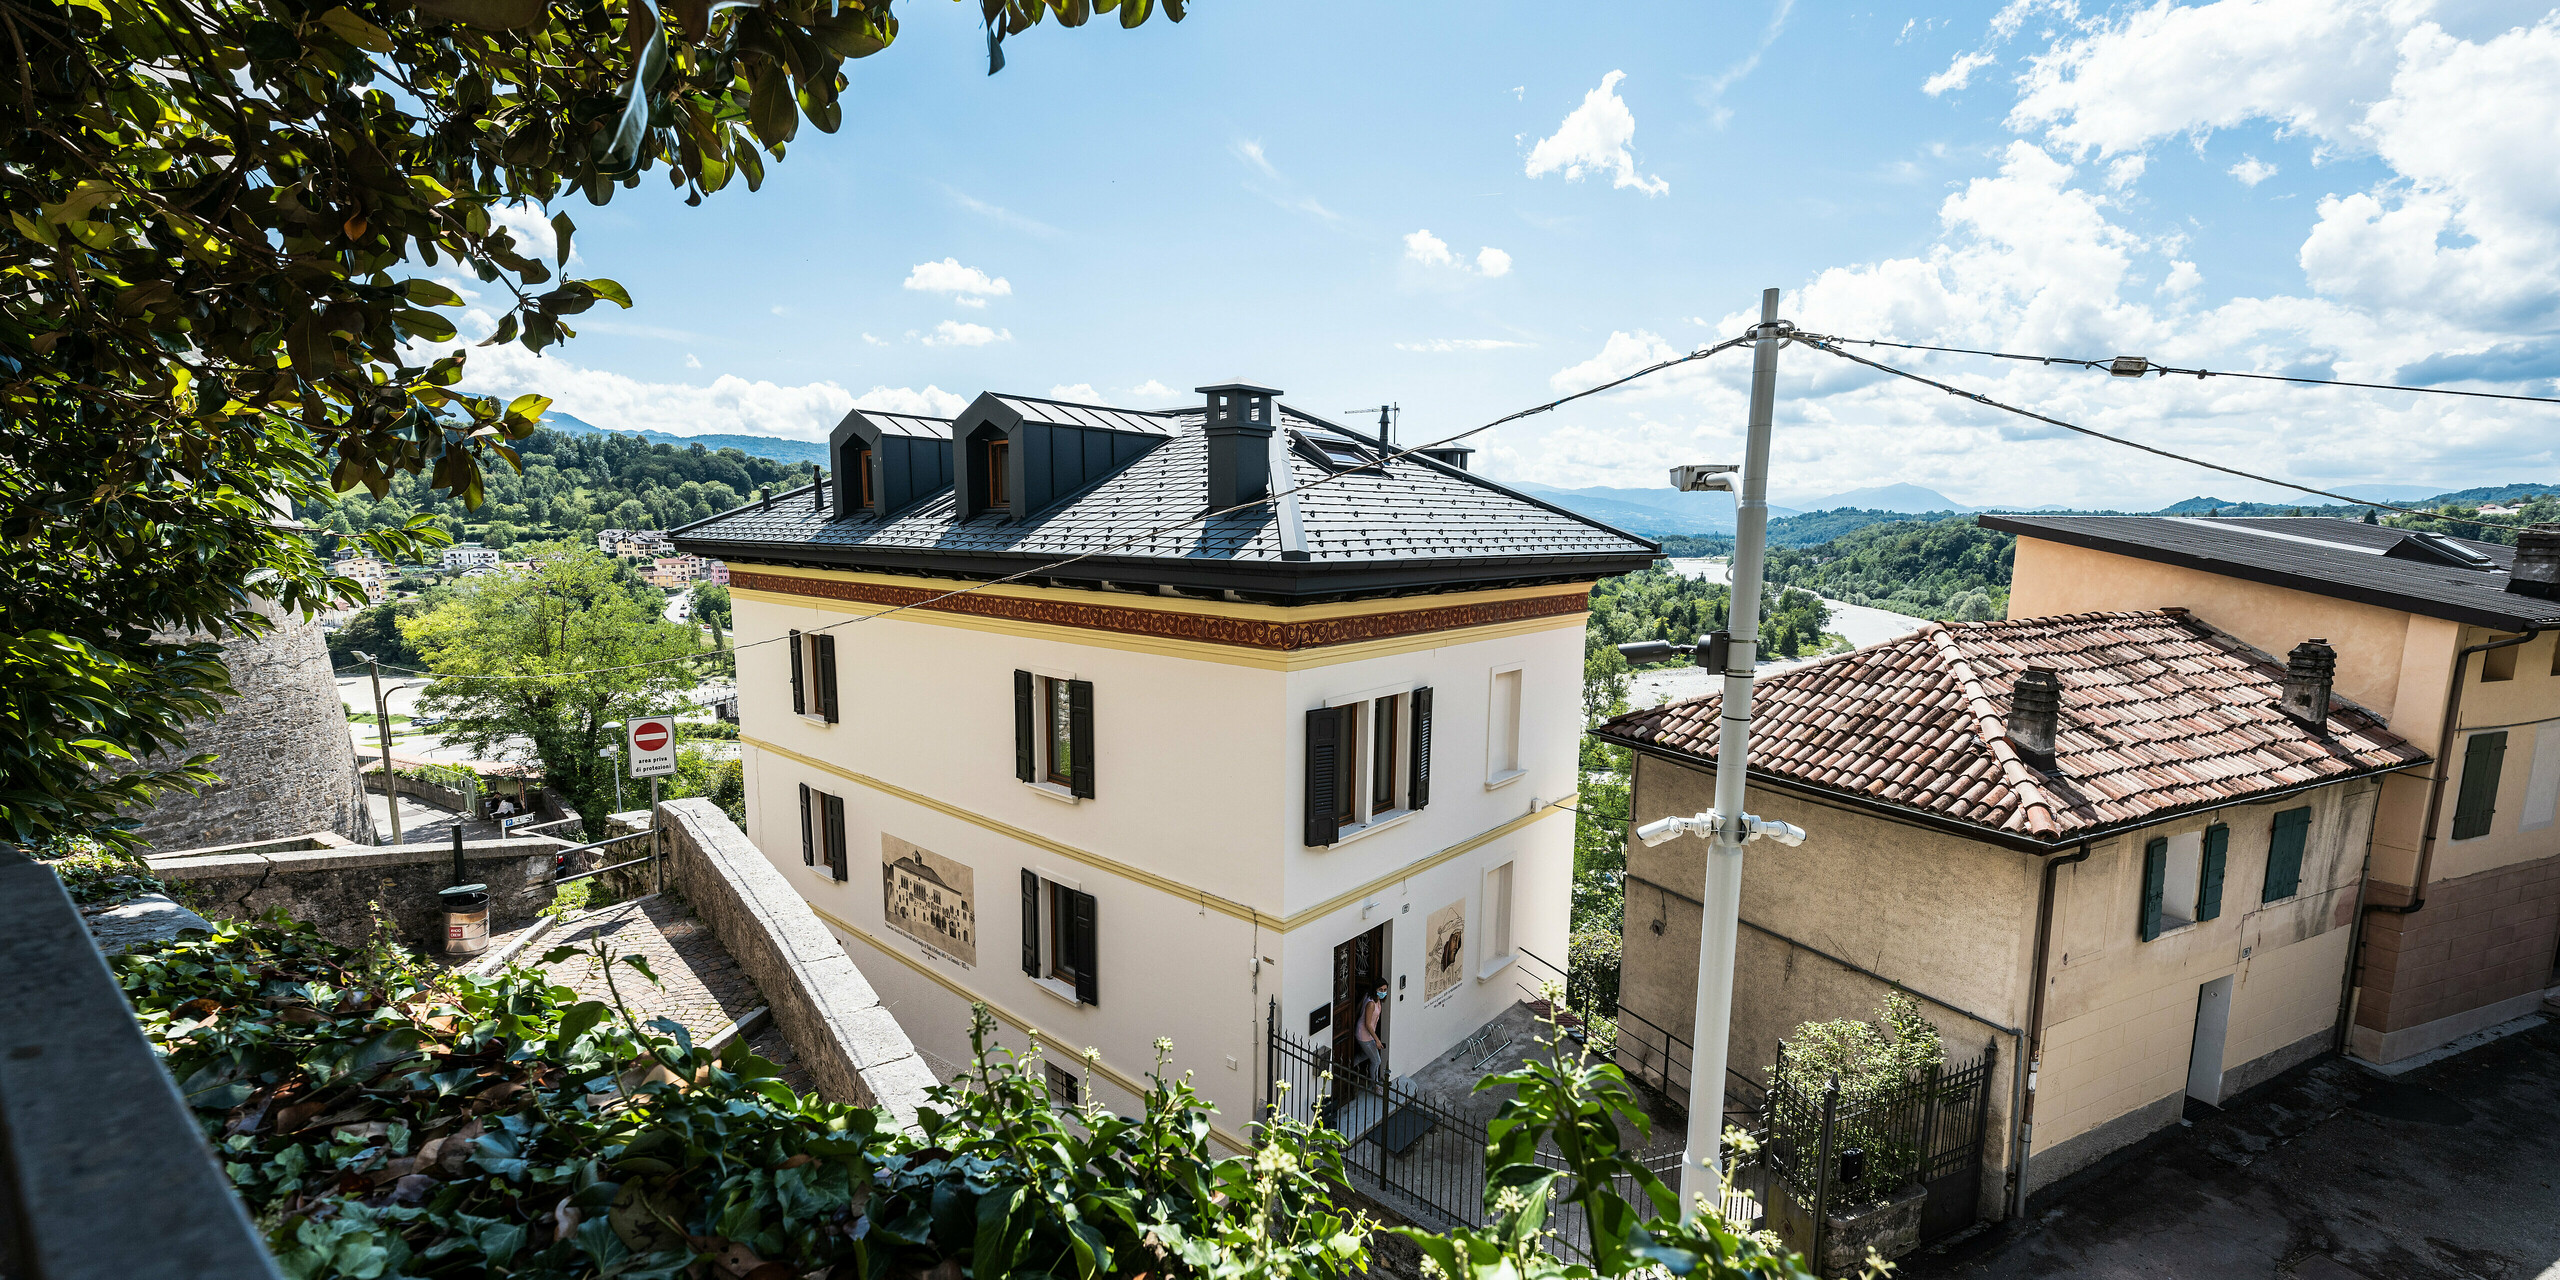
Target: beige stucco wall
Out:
[1208,903]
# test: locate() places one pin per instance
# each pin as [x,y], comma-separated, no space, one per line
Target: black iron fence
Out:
[1833,1153]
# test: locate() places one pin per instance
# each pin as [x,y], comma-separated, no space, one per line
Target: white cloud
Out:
[1154,392]
[727,404]
[1431,251]
[2251,171]
[2183,278]
[692,361]
[1712,92]
[532,229]
[1250,152]
[1493,262]
[1959,73]
[2124,171]
[1081,393]
[1459,344]
[967,286]
[957,333]
[930,402]
[1593,139]
[873,341]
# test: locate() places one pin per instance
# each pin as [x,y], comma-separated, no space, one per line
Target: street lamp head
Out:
[1699,477]
[361,655]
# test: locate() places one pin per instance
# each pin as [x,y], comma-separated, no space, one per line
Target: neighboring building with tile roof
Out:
[2454,642]
[2179,824]
[1205,772]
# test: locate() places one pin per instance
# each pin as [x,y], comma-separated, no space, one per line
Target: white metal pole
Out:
[1723,891]
[382,724]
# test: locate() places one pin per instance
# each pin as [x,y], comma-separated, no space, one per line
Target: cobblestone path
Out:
[701,986]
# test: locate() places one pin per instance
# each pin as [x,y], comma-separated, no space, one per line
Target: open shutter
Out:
[799,680]
[1080,736]
[2478,803]
[808,830]
[1418,790]
[1030,923]
[826,647]
[1324,761]
[2217,850]
[835,836]
[2155,879]
[2284,855]
[1025,717]
[1080,942]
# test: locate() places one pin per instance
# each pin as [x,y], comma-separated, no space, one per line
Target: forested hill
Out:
[572,486]
[1947,568]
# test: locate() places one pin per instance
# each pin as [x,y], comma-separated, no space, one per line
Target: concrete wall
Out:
[286,762]
[1209,905]
[331,883]
[852,1048]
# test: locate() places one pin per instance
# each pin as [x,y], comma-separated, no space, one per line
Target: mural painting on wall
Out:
[929,898]
[1446,935]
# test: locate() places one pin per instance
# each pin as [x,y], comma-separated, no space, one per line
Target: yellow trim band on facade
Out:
[1015,1020]
[1178,604]
[1163,884]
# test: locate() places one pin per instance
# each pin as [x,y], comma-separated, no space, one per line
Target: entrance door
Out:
[2204,1056]
[1358,966]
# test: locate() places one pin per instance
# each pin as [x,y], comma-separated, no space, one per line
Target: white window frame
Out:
[1499,897]
[1495,776]
[1365,818]
[1041,679]
[810,703]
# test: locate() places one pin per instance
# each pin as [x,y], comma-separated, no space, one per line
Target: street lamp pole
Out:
[382,722]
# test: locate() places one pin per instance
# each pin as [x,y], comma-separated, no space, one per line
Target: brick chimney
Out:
[2537,567]
[2308,671]
[1242,417]
[2035,711]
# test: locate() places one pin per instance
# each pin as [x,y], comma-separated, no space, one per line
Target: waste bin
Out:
[466,919]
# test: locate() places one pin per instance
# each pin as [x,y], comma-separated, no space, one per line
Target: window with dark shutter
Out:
[2284,855]
[1080,737]
[2155,878]
[1025,723]
[808,829]
[1080,946]
[826,647]
[799,682]
[1325,749]
[2217,848]
[2478,803]
[1418,791]
[1030,923]
[835,837]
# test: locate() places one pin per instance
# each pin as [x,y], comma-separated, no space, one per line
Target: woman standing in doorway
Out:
[1373,1047]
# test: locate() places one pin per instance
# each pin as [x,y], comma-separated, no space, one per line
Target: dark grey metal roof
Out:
[1099,417]
[908,424]
[1412,522]
[2342,559]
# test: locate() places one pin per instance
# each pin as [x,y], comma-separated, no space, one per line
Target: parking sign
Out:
[653,747]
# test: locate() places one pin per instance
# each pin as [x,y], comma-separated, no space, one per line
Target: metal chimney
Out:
[1242,417]
[2308,673]
[2537,567]
[2035,711]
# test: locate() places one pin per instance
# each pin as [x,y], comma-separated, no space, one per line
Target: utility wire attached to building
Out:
[2136,366]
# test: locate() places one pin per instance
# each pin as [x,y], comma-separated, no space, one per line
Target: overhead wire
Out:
[2143,365]
[1051,566]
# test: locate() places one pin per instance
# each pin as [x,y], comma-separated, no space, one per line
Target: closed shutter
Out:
[2155,879]
[1418,790]
[2284,855]
[1030,923]
[1025,719]
[808,830]
[2217,849]
[1080,945]
[1324,764]
[2478,803]
[1080,737]
[835,836]
[799,682]
[826,647]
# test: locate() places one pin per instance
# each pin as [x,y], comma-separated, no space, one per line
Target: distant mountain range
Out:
[774,447]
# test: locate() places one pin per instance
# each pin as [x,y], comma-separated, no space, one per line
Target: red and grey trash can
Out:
[466,919]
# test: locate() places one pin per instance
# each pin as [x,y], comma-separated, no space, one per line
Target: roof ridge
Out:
[2035,806]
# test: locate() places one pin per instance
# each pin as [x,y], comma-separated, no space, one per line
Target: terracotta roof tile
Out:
[2159,713]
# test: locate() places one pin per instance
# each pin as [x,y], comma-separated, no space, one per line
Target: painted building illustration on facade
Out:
[929,898]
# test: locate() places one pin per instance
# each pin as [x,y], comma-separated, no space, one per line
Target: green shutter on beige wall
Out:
[2284,855]
[2478,804]
[2217,851]
[2155,880]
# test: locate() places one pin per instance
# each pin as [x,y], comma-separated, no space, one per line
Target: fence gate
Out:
[1828,1154]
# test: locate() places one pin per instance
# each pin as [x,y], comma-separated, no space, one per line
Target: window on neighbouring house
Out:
[2476,805]
[1366,760]
[822,831]
[1502,734]
[2499,664]
[1497,917]
[1066,1093]
[2182,879]
[1053,733]
[1058,939]
[999,489]
[813,675]
[2285,843]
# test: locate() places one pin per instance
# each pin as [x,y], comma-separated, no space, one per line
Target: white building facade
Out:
[1249,766]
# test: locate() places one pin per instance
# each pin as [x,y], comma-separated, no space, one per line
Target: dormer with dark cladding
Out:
[887,462]
[1015,455]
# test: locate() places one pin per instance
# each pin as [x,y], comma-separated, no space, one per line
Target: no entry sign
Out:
[653,747]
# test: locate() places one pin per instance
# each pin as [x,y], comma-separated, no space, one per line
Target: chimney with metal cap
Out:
[2537,567]
[1241,419]
[2308,673]
[2035,710]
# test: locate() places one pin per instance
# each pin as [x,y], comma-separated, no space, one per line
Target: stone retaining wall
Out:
[851,1046]
[331,883]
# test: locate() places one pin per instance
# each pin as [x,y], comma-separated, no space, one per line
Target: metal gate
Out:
[1830,1154]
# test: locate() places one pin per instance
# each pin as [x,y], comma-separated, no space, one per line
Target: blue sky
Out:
[1470,209]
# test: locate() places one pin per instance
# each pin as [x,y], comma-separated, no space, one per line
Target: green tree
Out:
[220,216]
[539,665]
[376,630]
[711,604]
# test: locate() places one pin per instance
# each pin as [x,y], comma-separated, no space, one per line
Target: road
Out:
[1860,624]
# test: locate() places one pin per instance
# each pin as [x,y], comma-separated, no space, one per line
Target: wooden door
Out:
[1358,966]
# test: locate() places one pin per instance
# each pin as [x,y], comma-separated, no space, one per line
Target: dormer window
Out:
[999,494]
[862,490]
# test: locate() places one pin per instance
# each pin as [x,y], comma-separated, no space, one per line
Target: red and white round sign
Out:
[653,747]
[649,735]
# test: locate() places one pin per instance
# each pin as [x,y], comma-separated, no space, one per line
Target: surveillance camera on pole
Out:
[1702,477]
[1664,830]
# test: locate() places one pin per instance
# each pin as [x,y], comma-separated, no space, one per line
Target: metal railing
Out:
[1653,1054]
[1828,1151]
